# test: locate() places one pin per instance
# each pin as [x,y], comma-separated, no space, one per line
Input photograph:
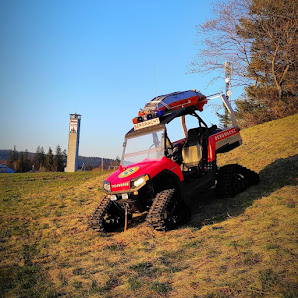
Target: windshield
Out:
[143,147]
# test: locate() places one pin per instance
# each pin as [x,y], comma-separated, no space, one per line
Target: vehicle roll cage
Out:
[167,118]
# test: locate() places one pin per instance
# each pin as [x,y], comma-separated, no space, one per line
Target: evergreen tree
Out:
[58,160]
[42,157]
[23,164]
[118,160]
[20,163]
[272,27]
[49,160]
[12,158]
[64,153]
[39,158]
[27,162]
[36,163]
[224,119]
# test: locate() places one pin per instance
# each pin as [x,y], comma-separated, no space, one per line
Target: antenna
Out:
[155,82]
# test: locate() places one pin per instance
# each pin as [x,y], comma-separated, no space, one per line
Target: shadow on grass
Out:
[208,209]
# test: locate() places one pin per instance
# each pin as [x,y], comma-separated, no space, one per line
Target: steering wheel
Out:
[169,148]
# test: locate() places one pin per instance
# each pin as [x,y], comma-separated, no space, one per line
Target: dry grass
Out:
[244,246]
[265,144]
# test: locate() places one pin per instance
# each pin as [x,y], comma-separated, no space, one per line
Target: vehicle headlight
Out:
[107,186]
[139,181]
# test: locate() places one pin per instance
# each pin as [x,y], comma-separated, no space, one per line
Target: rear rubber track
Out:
[233,179]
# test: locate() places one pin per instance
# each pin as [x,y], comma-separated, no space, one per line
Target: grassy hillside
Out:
[244,246]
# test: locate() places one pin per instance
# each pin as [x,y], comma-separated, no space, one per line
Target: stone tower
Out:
[73,143]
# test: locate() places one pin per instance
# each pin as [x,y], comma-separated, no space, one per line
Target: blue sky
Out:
[101,59]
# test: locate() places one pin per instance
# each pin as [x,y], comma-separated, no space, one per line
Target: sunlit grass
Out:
[243,246]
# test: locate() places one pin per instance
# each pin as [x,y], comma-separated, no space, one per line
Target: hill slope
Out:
[244,246]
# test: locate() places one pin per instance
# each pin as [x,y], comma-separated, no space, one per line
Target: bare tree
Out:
[219,41]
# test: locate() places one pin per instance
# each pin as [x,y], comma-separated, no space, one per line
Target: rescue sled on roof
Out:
[163,104]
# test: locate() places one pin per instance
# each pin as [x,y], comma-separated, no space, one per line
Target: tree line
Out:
[259,38]
[40,161]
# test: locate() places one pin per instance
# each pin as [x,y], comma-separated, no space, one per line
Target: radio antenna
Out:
[155,82]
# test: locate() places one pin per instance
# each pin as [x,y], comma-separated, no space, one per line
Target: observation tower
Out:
[73,143]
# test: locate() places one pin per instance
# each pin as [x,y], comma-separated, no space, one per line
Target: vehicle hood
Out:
[120,179]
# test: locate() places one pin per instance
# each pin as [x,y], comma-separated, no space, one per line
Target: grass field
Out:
[244,246]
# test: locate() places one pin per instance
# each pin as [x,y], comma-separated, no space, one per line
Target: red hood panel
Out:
[120,180]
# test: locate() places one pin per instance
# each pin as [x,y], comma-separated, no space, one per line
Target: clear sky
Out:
[101,59]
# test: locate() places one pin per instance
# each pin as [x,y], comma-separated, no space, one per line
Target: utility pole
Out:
[228,74]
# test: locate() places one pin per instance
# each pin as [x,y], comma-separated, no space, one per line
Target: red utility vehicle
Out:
[156,174]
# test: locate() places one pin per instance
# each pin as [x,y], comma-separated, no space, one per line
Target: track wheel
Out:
[167,211]
[107,217]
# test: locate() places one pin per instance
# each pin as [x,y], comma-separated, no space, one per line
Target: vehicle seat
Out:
[192,150]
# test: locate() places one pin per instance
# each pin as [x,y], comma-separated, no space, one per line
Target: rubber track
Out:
[95,221]
[154,218]
[226,173]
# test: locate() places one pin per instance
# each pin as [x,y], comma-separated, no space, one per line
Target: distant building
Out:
[4,169]
[73,143]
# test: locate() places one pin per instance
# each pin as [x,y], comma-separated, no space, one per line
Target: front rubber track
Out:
[107,217]
[167,211]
